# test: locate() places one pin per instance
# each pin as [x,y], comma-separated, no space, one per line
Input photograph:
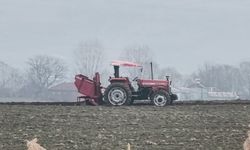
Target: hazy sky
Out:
[182,33]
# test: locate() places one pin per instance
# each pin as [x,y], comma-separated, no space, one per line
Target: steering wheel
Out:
[135,79]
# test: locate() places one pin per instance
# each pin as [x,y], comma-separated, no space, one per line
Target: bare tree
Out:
[140,54]
[45,71]
[223,77]
[245,72]
[5,72]
[89,58]
[11,80]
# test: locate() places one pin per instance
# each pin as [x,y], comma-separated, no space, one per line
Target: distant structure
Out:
[197,91]
[63,92]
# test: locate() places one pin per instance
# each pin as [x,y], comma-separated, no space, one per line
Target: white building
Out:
[198,91]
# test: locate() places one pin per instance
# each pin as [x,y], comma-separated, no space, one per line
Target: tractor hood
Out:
[150,83]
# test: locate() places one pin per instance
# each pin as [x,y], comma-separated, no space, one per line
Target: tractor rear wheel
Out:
[117,94]
[161,98]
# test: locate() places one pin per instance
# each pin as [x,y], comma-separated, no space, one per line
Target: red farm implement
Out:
[90,89]
[121,92]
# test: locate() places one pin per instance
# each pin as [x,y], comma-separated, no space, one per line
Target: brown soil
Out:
[212,127]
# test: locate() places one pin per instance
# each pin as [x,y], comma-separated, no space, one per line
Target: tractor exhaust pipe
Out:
[116,74]
[152,71]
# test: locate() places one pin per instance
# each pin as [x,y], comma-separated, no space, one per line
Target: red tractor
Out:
[121,92]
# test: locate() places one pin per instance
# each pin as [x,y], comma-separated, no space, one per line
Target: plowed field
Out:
[203,127]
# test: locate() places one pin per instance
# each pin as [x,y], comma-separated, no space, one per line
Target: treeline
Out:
[43,72]
[226,78]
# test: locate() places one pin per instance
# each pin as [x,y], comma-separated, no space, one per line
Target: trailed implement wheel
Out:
[117,94]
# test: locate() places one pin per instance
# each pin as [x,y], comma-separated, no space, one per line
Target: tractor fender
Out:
[156,89]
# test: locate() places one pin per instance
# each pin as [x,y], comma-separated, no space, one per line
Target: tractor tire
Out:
[117,94]
[161,98]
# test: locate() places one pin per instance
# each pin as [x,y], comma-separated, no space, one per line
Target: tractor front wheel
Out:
[160,98]
[117,94]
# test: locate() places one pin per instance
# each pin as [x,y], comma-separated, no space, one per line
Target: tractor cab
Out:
[118,64]
[117,78]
